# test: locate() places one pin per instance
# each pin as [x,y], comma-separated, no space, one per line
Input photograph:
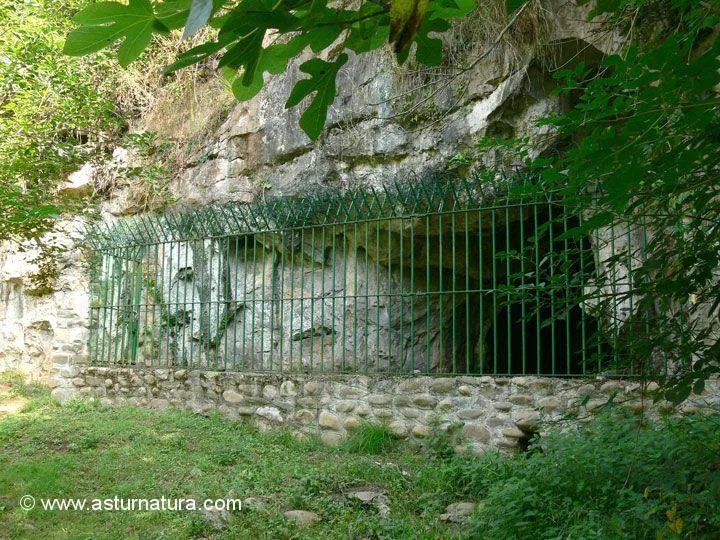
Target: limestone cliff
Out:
[387,124]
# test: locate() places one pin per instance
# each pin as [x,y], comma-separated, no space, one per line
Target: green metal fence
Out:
[442,277]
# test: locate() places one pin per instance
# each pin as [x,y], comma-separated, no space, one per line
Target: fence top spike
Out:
[325,207]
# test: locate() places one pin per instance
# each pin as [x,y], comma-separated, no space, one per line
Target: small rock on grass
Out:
[216,517]
[372,495]
[458,512]
[302,517]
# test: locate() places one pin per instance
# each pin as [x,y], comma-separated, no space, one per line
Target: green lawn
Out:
[617,477]
[84,450]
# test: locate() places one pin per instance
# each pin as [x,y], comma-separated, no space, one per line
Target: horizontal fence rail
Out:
[433,279]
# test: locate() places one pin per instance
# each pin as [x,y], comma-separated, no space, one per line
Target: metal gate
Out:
[434,277]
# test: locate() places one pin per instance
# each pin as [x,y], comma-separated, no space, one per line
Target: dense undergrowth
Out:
[614,478]
[58,112]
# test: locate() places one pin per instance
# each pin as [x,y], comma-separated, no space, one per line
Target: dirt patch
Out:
[9,404]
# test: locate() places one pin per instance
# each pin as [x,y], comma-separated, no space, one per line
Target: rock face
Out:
[302,517]
[387,125]
[387,122]
[376,136]
[43,330]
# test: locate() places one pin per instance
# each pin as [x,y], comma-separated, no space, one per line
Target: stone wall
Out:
[489,412]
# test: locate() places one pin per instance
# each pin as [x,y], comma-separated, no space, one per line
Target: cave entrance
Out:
[441,277]
[507,283]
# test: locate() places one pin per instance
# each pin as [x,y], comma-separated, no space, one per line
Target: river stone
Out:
[329,420]
[424,401]
[398,428]
[231,396]
[303,518]
[458,512]
[442,386]
[476,432]
[270,413]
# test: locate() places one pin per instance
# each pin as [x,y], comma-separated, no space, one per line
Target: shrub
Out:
[616,477]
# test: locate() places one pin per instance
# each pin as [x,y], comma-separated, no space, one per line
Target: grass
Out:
[613,478]
[85,450]
[371,439]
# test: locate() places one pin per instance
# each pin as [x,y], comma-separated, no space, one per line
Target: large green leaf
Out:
[245,54]
[322,81]
[106,22]
[429,49]
[512,5]
[369,33]
[200,12]
[251,15]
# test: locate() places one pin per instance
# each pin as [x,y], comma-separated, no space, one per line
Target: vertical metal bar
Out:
[402,295]
[598,323]
[551,227]
[630,318]
[428,295]
[207,339]
[493,230]
[196,272]
[161,300]
[377,281]
[312,303]
[481,265]
[235,305]
[468,326]
[253,330]
[390,294]
[118,348]
[453,304]
[568,300]
[280,295]
[441,288]
[323,293]
[97,303]
[615,307]
[508,283]
[265,299]
[223,302]
[538,292]
[344,306]
[355,296]
[136,319]
[249,308]
[294,265]
[367,294]
[413,293]
[523,293]
[227,299]
[333,298]
[583,280]
[106,304]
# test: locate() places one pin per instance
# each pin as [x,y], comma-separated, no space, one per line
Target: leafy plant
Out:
[242,28]
[611,478]
[637,155]
[51,113]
